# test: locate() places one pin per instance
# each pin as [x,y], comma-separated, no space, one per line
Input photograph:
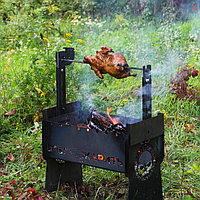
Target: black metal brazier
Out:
[138,153]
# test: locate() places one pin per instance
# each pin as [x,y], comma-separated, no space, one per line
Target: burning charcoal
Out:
[97,121]
[82,126]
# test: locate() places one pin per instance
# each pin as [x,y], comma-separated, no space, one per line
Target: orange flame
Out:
[114,120]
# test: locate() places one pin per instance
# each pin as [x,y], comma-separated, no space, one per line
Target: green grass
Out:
[27,83]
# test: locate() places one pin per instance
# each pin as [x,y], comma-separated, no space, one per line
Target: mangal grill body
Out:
[138,153]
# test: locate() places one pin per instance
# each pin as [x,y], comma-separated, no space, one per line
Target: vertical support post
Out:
[60,84]
[60,77]
[146,92]
[57,173]
[151,187]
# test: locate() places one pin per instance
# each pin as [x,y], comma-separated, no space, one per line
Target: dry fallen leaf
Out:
[189,128]
[10,157]
[12,181]
[3,172]
[20,190]
[11,113]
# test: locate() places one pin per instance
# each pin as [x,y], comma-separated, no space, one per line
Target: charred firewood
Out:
[100,123]
[97,121]
[117,129]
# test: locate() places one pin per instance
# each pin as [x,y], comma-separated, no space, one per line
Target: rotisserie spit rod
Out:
[77,61]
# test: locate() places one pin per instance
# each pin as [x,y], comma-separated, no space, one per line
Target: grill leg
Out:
[150,189]
[57,174]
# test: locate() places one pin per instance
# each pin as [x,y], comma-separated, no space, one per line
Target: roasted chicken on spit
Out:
[106,61]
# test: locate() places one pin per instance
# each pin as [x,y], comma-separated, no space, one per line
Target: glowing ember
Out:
[82,126]
[114,120]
